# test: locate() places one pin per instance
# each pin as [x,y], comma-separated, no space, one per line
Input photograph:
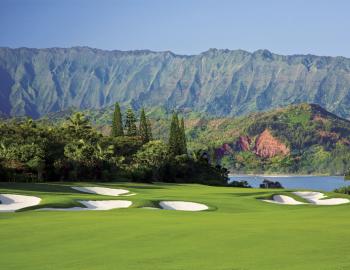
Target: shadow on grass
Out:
[58,205]
[38,187]
[137,186]
[250,194]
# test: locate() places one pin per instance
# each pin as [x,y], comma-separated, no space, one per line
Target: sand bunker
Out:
[183,206]
[283,199]
[312,197]
[11,202]
[318,198]
[102,190]
[95,205]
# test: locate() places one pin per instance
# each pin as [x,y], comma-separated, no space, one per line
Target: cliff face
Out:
[267,146]
[225,149]
[243,143]
[35,82]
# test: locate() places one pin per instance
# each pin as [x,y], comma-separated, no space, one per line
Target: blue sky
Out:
[182,26]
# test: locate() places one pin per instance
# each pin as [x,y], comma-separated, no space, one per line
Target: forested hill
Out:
[35,82]
[301,138]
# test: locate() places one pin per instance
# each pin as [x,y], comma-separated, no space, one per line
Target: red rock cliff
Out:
[268,146]
[243,143]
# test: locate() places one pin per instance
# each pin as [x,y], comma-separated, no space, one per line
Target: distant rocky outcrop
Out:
[243,143]
[225,149]
[268,146]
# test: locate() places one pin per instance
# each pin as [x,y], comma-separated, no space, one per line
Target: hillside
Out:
[35,82]
[301,138]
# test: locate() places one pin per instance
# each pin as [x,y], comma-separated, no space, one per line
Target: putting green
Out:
[237,232]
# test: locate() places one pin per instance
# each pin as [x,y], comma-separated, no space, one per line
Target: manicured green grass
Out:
[238,232]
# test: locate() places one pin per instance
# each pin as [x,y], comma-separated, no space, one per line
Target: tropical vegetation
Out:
[73,150]
[318,141]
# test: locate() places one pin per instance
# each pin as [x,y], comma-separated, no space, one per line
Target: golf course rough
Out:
[242,233]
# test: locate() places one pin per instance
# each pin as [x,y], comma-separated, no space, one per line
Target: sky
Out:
[182,26]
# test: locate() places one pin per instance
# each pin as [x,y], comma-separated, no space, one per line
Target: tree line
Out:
[74,150]
[177,138]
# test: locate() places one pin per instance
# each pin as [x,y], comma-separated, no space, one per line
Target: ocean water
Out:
[324,183]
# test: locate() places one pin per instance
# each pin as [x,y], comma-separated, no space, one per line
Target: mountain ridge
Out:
[219,82]
[173,53]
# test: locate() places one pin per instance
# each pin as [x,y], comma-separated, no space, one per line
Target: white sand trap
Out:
[127,195]
[283,199]
[94,205]
[102,190]
[11,202]
[183,206]
[318,198]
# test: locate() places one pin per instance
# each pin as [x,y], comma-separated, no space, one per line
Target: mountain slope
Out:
[301,138]
[35,82]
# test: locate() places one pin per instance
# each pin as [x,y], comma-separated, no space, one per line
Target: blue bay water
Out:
[324,183]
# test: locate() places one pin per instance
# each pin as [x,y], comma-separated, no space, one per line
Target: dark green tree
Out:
[78,122]
[130,123]
[183,137]
[149,129]
[79,126]
[117,124]
[152,156]
[176,146]
[143,128]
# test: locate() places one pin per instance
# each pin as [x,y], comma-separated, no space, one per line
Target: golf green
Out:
[239,231]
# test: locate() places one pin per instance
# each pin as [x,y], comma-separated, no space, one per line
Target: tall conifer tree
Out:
[183,137]
[130,123]
[149,129]
[117,123]
[143,128]
[175,136]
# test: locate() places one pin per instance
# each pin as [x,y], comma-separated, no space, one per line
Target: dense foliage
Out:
[38,151]
[117,123]
[343,190]
[177,137]
[319,141]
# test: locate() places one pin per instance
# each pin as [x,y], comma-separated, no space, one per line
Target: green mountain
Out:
[35,82]
[301,138]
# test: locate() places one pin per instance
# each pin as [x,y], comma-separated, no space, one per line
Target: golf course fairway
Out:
[238,231]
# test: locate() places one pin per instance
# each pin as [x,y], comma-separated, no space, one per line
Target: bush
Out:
[270,184]
[241,183]
[343,190]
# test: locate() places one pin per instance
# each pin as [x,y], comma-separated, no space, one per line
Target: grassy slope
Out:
[240,232]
